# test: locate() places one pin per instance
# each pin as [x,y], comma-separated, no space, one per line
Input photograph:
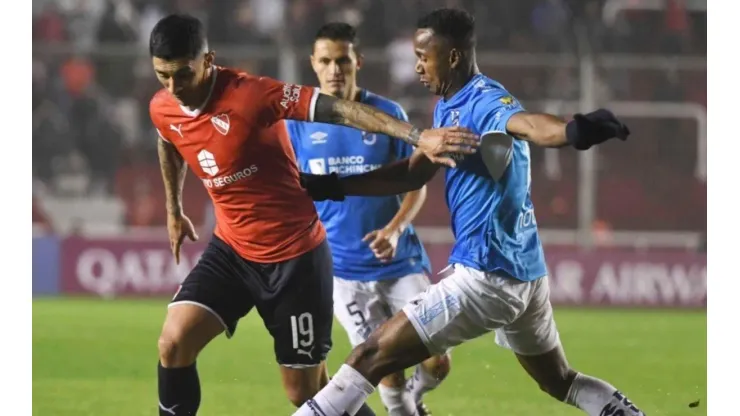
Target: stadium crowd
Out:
[92,81]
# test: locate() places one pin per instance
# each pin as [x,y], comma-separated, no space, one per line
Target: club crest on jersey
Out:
[221,123]
[369,138]
[455,117]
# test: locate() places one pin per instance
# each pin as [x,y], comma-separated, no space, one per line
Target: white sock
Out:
[397,401]
[421,383]
[345,393]
[599,398]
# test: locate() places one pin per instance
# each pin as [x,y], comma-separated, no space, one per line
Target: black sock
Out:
[365,411]
[179,391]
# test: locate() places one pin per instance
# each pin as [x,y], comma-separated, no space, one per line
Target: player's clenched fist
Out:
[179,227]
[383,243]
[438,144]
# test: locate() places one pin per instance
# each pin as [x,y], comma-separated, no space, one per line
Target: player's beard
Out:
[195,97]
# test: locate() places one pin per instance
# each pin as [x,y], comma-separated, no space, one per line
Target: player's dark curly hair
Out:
[178,36]
[456,25]
[339,31]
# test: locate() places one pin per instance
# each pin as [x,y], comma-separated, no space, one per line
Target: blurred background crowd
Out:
[94,148]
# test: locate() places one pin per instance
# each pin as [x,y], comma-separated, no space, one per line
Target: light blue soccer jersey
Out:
[324,148]
[493,221]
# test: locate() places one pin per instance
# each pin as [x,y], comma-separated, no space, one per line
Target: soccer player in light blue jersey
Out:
[497,278]
[379,262]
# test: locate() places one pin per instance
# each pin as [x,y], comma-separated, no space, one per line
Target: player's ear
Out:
[360,61]
[454,58]
[209,58]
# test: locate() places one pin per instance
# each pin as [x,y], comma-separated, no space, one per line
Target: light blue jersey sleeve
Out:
[493,110]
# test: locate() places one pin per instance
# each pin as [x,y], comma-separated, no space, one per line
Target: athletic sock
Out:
[397,401]
[344,395]
[599,398]
[179,391]
[421,383]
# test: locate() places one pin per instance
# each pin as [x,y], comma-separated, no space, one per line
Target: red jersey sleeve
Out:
[284,101]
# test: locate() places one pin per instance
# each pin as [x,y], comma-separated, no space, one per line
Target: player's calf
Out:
[300,384]
[555,377]
[187,329]
[428,376]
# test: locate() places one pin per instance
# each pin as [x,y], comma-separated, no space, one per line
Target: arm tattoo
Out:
[414,136]
[332,110]
[173,170]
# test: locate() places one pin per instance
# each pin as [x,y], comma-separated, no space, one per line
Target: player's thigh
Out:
[359,308]
[533,332]
[212,293]
[464,305]
[300,315]
[398,292]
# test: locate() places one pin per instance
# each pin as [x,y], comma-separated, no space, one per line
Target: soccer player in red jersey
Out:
[268,250]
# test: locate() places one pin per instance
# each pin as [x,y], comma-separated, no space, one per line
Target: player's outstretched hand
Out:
[322,187]
[383,243]
[178,228]
[439,144]
[596,127]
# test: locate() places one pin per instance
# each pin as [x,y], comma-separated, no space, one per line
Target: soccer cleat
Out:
[423,410]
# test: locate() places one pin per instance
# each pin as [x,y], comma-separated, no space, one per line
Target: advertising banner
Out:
[45,265]
[115,267]
[673,279]
[138,267]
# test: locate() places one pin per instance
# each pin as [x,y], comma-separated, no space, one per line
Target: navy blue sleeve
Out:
[493,110]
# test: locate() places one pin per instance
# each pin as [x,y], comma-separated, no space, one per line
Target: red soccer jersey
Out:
[237,145]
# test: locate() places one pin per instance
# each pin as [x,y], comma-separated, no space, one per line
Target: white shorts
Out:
[363,306]
[470,303]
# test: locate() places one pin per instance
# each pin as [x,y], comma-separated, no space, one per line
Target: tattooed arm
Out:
[332,110]
[437,144]
[173,170]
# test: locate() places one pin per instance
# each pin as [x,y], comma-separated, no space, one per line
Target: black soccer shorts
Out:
[293,297]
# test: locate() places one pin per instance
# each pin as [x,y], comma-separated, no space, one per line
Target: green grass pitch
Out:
[95,357]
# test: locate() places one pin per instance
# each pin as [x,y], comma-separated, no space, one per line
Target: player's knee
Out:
[374,359]
[173,352]
[365,359]
[438,366]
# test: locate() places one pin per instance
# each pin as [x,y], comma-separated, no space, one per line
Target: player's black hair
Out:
[455,25]
[339,31]
[178,36]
